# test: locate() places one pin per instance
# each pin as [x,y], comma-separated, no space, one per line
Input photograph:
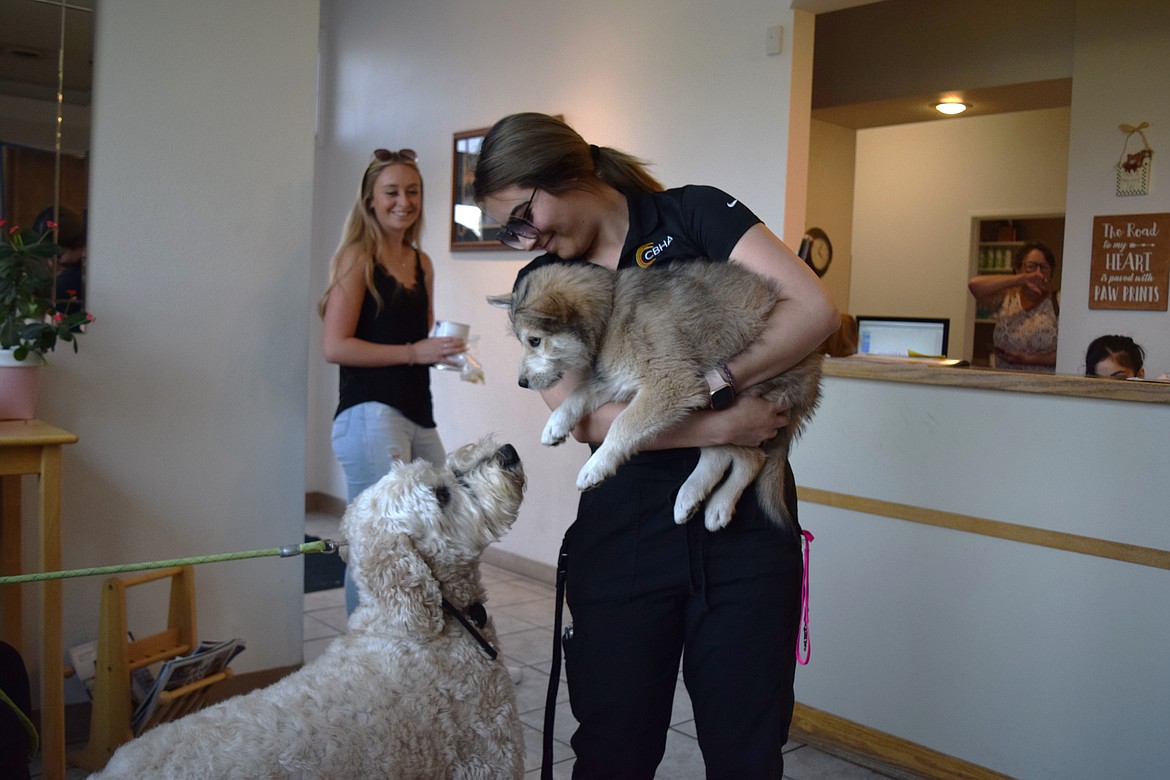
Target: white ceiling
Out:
[30,37]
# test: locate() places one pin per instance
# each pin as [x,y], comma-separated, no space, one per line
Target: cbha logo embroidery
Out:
[646,254]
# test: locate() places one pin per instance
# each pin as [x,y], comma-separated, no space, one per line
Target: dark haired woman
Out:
[1027,310]
[644,592]
[1115,357]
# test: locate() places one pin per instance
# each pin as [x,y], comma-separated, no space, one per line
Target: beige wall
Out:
[832,163]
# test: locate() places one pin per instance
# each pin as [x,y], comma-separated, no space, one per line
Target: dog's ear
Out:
[556,311]
[399,583]
[501,301]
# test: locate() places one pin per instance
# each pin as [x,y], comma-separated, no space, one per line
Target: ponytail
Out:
[532,149]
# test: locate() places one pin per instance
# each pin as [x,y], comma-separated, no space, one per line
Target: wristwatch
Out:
[721,386]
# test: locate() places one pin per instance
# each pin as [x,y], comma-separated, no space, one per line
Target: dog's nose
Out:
[523,382]
[508,456]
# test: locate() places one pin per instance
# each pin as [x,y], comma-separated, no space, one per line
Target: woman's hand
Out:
[436,350]
[752,420]
[1034,283]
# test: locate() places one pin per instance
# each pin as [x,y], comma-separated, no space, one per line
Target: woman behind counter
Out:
[1026,309]
[1115,357]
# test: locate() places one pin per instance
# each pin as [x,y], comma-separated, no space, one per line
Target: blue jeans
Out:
[367,439]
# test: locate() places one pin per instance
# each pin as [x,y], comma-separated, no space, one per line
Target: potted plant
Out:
[30,322]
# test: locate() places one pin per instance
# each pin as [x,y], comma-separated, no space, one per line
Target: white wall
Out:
[917,188]
[1119,77]
[1033,662]
[685,85]
[188,394]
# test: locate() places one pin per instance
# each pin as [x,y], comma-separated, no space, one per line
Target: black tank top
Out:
[402,320]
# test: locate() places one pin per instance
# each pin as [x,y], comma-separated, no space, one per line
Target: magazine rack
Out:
[118,656]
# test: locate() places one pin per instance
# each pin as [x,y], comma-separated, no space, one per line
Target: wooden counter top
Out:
[990,379]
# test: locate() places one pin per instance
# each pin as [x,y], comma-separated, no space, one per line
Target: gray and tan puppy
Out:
[650,338]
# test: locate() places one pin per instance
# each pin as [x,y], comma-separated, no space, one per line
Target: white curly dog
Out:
[409,691]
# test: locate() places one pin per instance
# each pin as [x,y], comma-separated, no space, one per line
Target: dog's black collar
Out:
[475,614]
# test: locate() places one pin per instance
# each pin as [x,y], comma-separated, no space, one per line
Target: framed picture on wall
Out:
[470,227]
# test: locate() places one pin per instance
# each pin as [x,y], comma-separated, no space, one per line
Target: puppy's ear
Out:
[555,308]
[399,584]
[501,301]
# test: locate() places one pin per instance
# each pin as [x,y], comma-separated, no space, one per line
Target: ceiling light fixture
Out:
[951,107]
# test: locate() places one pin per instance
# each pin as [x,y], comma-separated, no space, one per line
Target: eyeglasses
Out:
[519,229]
[406,155]
[1030,268]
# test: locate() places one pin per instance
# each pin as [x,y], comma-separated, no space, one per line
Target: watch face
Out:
[722,397]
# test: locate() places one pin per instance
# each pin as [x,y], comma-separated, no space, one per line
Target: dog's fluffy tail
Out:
[770,486]
[800,387]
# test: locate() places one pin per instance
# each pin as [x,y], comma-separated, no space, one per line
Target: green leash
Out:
[327,546]
[32,738]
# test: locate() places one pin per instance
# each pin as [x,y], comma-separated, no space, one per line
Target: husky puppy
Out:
[650,338]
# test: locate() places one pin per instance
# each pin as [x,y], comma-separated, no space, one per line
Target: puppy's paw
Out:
[685,505]
[718,514]
[556,430]
[595,471]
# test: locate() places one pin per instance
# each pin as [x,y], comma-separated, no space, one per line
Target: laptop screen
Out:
[901,336]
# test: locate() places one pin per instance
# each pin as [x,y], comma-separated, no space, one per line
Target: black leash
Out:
[477,614]
[554,678]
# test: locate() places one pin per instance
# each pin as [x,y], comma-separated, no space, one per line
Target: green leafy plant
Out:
[29,323]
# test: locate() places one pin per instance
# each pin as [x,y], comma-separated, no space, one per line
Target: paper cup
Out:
[448,329]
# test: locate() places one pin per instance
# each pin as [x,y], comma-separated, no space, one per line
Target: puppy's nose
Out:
[508,456]
[523,382]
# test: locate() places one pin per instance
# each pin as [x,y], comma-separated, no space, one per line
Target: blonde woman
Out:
[377,312]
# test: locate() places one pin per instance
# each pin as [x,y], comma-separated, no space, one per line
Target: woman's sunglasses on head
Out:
[402,155]
[519,230]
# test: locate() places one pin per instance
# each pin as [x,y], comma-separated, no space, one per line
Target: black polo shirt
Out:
[677,224]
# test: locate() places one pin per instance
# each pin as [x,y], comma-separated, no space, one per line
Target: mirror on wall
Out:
[46,76]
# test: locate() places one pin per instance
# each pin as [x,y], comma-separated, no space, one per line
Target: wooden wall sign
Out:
[1131,262]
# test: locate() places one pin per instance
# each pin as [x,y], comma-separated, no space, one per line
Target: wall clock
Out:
[816,250]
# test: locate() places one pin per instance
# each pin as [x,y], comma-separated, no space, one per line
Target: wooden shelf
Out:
[118,656]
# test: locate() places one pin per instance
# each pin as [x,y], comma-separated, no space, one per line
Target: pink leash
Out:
[804,641]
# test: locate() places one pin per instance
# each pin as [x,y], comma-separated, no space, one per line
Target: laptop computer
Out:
[903,336]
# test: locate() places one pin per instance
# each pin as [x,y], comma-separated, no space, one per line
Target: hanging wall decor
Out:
[1133,169]
[1130,263]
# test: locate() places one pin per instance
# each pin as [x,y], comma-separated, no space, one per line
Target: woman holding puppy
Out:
[643,591]
[377,312]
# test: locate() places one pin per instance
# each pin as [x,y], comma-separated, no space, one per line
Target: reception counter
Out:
[990,572]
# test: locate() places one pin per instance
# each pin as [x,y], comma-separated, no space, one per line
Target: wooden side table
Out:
[33,447]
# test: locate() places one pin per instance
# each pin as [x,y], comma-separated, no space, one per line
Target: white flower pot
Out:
[19,384]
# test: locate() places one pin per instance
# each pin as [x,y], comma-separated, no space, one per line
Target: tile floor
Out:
[522,609]
[523,612]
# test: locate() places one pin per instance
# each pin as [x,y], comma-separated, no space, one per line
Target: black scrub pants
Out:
[644,592]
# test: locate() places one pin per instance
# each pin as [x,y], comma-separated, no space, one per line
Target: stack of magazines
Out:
[207,659]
